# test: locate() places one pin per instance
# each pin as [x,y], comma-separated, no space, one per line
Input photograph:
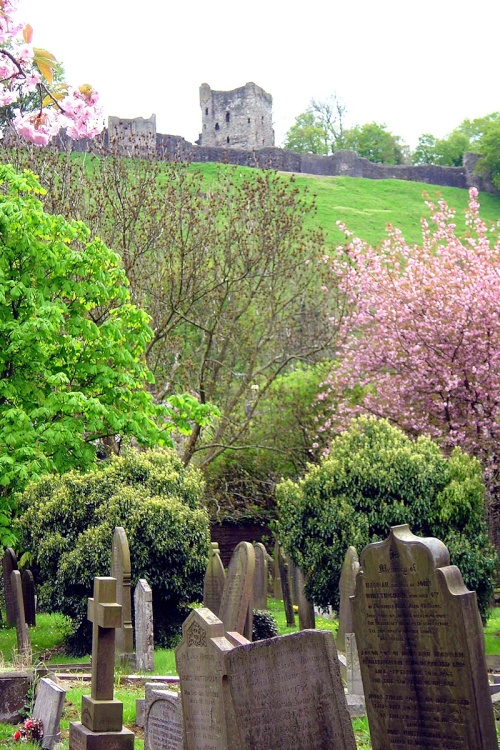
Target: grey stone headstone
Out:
[121,570]
[285,588]
[23,636]
[144,637]
[213,583]
[307,620]
[286,692]
[28,585]
[277,593]
[348,574]
[353,670]
[14,688]
[48,707]
[237,595]
[9,563]
[421,648]
[260,577]
[163,725]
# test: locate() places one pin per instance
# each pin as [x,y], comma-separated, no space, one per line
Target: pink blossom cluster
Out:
[421,343]
[78,112]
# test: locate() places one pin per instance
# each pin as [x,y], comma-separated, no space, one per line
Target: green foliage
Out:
[449,151]
[375,477]
[264,625]
[489,147]
[375,143]
[67,524]
[307,135]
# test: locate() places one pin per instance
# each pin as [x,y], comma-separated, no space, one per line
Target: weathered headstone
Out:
[101,727]
[23,636]
[237,594]
[200,665]
[14,687]
[9,563]
[121,570]
[144,637]
[287,692]
[48,707]
[348,574]
[277,593]
[307,619]
[421,649]
[28,585]
[353,670]
[260,577]
[163,726]
[213,583]
[285,588]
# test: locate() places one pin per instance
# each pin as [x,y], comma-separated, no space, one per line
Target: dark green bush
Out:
[264,625]
[67,524]
[376,477]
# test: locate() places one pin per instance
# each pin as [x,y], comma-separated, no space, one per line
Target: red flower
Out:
[28,723]
[17,735]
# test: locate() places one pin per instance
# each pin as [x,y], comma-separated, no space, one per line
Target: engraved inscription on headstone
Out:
[144,636]
[213,583]
[9,563]
[163,729]
[260,577]
[421,649]
[121,570]
[238,588]
[287,692]
[348,574]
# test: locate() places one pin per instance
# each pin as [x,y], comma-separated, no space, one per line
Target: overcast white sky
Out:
[417,66]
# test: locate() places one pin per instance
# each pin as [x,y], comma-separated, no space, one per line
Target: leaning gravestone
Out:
[28,585]
[163,726]
[144,636]
[260,577]
[421,649]
[348,574]
[213,583]
[23,636]
[236,599]
[121,570]
[101,727]
[48,707]
[286,693]
[9,563]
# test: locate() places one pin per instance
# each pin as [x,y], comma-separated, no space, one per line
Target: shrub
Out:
[67,525]
[264,625]
[376,477]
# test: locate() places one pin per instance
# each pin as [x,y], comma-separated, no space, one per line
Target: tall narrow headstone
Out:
[49,704]
[101,727]
[9,563]
[144,637]
[163,725]
[307,620]
[28,585]
[23,637]
[260,577]
[285,588]
[353,670]
[421,648]
[348,574]
[276,572]
[121,570]
[213,583]
[238,588]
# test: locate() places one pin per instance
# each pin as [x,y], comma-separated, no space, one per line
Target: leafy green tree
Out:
[376,477]
[449,151]
[307,135]
[489,147]
[375,143]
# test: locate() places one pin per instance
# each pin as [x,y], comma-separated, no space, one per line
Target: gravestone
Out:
[307,619]
[48,707]
[163,726]
[23,636]
[9,563]
[14,688]
[285,588]
[213,583]
[287,693]
[28,585]
[260,577]
[421,648]
[352,668]
[121,570]
[348,574]
[236,598]
[144,638]
[277,593]
[200,666]
[101,727]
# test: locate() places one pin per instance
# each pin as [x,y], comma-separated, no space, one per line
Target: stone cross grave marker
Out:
[23,636]
[307,619]
[260,577]
[144,637]
[421,648]
[163,725]
[287,692]
[236,598]
[348,574]
[122,571]
[102,715]
[48,707]
[9,563]
[213,583]
[28,585]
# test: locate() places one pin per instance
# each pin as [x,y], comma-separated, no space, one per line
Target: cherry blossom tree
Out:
[421,345]
[25,69]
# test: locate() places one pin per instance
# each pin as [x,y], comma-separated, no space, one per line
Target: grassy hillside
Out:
[367,206]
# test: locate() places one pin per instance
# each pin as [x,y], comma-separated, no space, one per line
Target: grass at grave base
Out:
[46,638]
[492,632]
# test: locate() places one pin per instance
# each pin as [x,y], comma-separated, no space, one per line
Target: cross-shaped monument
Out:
[102,715]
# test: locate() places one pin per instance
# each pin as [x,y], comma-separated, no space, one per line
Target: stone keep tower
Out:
[241,118]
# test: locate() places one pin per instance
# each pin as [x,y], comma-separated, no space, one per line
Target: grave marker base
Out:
[82,738]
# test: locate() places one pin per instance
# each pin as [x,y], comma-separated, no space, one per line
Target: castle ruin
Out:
[241,118]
